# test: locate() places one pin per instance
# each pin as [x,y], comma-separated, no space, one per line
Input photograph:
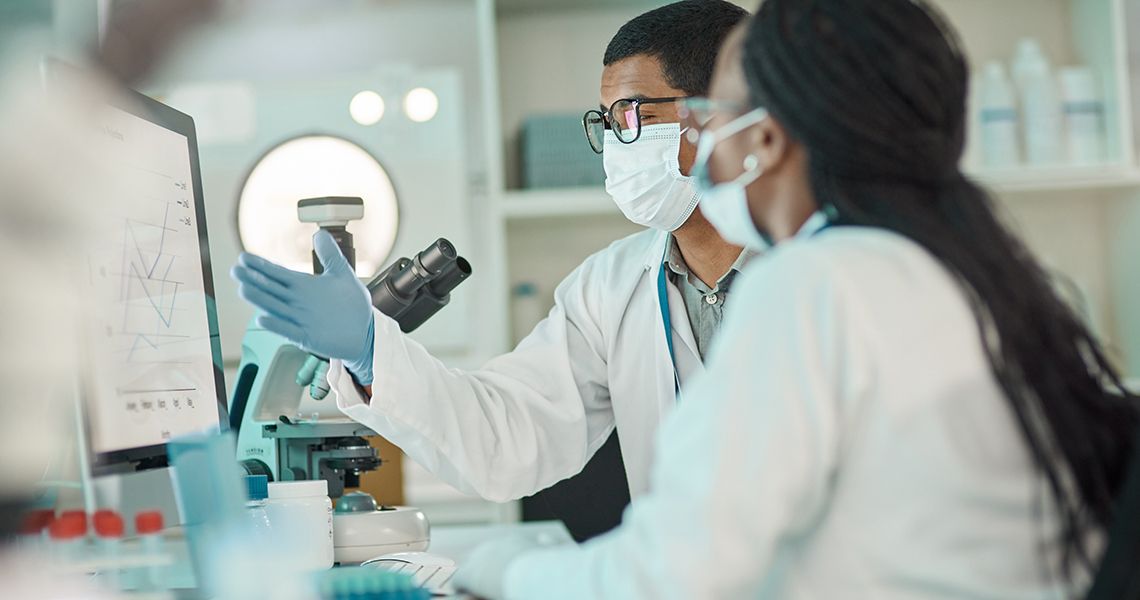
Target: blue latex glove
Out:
[329,315]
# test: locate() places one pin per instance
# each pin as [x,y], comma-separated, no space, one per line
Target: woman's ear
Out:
[770,143]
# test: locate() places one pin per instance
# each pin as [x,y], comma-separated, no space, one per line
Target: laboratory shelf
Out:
[594,201]
[557,202]
[1058,178]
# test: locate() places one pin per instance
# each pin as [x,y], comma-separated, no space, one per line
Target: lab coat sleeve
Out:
[523,422]
[744,464]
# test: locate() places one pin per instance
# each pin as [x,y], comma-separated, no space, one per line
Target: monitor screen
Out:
[155,358]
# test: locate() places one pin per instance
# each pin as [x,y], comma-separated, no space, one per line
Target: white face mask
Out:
[725,205]
[644,178]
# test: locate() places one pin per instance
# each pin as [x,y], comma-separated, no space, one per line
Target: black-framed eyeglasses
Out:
[623,118]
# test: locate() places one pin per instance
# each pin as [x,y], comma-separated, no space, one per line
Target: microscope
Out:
[286,430]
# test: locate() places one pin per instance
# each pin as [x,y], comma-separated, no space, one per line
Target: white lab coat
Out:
[847,441]
[535,416]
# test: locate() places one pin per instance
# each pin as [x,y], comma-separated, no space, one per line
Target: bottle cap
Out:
[257,487]
[148,522]
[108,524]
[1078,84]
[70,525]
[79,516]
[36,521]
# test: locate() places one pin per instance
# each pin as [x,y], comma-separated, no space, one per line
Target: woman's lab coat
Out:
[535,416]
[847,441]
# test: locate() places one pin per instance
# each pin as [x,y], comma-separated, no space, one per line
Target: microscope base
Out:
[358,537]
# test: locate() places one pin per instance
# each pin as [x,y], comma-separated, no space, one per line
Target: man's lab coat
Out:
[535,416]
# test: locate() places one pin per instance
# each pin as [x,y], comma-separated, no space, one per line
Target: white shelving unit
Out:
[1062,178]
[1079,219]
[594,201]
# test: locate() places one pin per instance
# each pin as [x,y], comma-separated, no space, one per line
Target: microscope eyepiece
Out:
[412,290]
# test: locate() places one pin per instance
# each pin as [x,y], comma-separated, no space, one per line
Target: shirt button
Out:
[711,299]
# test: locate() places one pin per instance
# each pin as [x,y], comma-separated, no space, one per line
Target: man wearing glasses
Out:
[629,326]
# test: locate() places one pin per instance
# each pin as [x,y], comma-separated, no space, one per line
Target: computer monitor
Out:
[155,355]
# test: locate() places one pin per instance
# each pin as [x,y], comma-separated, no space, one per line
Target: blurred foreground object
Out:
[140,34]
[53,183]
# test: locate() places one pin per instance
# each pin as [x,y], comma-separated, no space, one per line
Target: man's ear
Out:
[770,143]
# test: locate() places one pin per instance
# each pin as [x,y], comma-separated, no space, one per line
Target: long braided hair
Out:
[876,91]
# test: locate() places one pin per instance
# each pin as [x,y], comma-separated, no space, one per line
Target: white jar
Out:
[1040,105]
[1084,115]
[301,515]
[998,118]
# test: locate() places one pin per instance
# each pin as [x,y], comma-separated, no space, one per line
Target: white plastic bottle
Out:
[109,530]
[68,534]
[149,526]
[33,530]
[1083,110]
[301,514]
[998,119]
[1040,104]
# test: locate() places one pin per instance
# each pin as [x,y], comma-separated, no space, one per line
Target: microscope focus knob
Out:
[253,466]
[356,502]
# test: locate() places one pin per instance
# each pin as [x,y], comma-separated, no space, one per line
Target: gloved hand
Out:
[484,572]
[329,315]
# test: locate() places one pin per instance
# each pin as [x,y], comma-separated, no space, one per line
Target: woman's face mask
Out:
[725,205]
[644,178]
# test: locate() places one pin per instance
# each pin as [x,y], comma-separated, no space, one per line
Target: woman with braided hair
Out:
[900,406]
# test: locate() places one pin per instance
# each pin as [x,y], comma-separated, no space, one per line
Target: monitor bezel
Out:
[154,456]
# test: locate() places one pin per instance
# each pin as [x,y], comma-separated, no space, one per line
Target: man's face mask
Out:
[645,179]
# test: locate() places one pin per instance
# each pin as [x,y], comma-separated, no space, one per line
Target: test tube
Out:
[109,531]
[148,526]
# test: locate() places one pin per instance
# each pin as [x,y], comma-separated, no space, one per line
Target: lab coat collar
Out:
[656,250]
[812,225]
[817,221]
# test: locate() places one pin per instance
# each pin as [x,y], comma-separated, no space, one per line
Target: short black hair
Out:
[685,36]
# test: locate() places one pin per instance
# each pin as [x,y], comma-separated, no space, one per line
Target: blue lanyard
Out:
[667,321]
[817,223]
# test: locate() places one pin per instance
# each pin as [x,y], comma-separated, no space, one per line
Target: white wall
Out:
[1123,217]
[1067,232]
[551,62]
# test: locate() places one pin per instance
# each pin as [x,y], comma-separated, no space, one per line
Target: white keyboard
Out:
[433,574]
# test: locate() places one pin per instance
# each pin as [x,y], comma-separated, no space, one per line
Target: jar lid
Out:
[298,489]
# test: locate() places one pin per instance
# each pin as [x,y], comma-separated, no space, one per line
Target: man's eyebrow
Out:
[633,97]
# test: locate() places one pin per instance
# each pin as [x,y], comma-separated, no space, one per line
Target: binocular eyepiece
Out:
[412,290]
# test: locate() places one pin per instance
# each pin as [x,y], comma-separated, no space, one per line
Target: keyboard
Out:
[431,572]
